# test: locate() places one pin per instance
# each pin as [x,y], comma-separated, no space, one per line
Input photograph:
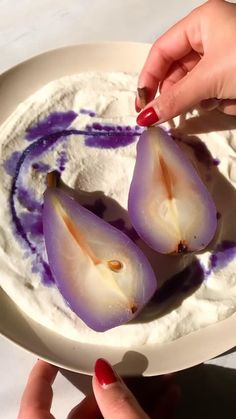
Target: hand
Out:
[193,62]
[111,398]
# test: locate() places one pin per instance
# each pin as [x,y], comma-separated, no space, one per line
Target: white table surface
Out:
[28,28]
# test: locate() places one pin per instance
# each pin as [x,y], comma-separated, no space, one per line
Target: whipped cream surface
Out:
[84,126]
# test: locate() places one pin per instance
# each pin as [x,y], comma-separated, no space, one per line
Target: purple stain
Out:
[96,126]
[41,167]
[41,267]
[55,122]
[87,112]
[32,223]
[183,282]
[215,162]
[223,254]
[47,134]
[47,274]
[118,136]
[213,262]
[43,144]
[24,195]
[35,149]
[11,163]
[27,199]
[62,160]
[113,141]
[108,128]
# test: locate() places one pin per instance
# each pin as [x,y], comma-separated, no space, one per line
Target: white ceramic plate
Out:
[15,86]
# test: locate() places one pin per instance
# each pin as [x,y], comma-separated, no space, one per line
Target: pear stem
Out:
[53,179]
[142,93]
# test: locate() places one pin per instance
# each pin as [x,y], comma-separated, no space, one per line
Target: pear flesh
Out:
[169,206]
[102,275]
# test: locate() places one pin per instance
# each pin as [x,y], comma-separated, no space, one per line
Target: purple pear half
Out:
[103,276]
[169,206]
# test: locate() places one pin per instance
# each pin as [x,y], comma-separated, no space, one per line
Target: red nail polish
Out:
[104,372]
[147,117]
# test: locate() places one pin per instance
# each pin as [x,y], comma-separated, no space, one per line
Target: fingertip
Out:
[148,117]
[113,397]
[210,104]
[105,373]
[88,409]
[228,106]
[44,370]
[137,106]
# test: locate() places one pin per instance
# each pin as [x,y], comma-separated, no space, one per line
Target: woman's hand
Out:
[111,399]
[193,62]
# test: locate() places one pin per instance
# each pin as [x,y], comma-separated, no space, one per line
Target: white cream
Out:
[111,96]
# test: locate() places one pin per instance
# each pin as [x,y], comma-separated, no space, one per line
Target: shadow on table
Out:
[136,362]
[230,351]
[206,391]
[80,381]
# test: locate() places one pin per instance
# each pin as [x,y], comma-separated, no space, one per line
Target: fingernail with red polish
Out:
[104,372]
[147,117]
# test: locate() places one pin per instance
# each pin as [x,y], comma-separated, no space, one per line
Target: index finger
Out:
[38,391]
[175,44]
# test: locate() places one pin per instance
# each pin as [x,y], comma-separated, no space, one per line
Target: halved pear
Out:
[169,206]
[104,277]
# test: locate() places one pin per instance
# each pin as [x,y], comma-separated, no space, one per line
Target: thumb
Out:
[113,397]
[179,98]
